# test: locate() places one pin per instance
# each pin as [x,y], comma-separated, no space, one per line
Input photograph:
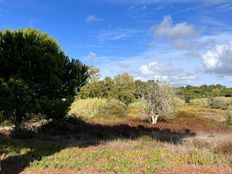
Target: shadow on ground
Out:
[55,136]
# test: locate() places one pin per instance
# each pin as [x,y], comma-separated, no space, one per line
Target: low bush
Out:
[228,116]
[199,102]
[178,101]
[136,110]
[219,102]
[114,109]
[98,108]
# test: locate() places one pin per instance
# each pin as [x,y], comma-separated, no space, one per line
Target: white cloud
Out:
[219,59]
[92,56]
[117,34]
[162,1]
[169,31]
[178,34]
[93,18]
[167,72]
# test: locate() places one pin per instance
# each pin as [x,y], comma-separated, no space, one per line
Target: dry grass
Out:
[224,148]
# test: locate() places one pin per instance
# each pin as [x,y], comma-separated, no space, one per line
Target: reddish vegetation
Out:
[225,148]
[192,169]
[194,124]
[89,170]
[187,169]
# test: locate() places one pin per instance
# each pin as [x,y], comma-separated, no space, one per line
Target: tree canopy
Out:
[36,76]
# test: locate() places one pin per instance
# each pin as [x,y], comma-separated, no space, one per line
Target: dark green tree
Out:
[36,76]
[125,88]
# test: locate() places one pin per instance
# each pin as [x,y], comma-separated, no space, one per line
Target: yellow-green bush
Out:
[137,109]
[98,107]
[199,102]
[178,101]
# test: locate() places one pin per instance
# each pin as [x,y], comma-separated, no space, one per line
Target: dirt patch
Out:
[193,169]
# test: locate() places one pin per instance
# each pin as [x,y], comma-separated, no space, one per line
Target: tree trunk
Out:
[18,122]
[154,118]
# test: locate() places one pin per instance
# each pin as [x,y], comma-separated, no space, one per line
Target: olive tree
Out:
[36,76]
[159,98]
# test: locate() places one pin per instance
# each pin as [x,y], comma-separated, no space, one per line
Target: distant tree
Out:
[216,92]
[36,76]
[121,87]
[125,88]
[96,88]
[159,98]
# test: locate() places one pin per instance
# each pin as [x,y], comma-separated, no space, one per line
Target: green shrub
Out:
[199,102]
[219,102]
[178,101]
[87,108]
[98,108]
[137,109]
[114,108]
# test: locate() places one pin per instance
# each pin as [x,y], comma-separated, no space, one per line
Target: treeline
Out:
[122,87]
[205,91]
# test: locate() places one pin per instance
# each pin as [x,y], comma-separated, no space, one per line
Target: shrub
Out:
[114,108]
[199,102]
[87,108]
[228,116]
[219,102]
[178,101]
[137,109]
[98,108]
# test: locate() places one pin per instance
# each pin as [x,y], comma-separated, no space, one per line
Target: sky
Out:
[178,41]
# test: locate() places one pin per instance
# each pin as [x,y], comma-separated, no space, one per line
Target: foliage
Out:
[125,88]
[228,116]
[87,108]
[95,108]
[178,101]
[159,98]
[121,87]
[137,109]
[219,102]
[114,109]
[35,75]
[191,92]
[199,102]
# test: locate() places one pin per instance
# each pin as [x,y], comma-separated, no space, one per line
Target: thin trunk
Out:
[154,118]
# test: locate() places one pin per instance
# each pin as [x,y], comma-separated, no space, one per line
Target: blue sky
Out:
[178,41]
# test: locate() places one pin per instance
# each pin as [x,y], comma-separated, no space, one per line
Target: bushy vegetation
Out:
[121,87]
[191,92]
[178,101]
[228,116]
[137,109]
[199,102]
[36,76]
[219,102]
[96,108]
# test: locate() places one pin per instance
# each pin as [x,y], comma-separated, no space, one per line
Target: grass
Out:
[122,156]
[126,147]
